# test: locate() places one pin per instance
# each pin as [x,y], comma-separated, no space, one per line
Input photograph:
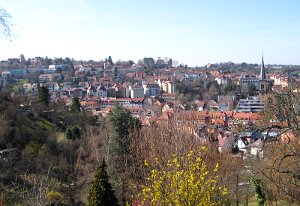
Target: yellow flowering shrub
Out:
[185,180]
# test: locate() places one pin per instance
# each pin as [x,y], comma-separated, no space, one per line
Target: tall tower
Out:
[262,75]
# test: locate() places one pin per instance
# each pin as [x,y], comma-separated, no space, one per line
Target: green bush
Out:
[73,132]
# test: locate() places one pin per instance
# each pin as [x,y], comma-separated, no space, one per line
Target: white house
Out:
[91,91]
[46,77]
[221,80]
[242,144]
[167,86]
[256,149]
[30,88]
[136,91]
[101,91]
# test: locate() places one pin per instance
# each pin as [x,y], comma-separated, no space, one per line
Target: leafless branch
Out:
[5,24]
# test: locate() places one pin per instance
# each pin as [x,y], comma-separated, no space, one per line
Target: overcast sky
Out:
[195,32]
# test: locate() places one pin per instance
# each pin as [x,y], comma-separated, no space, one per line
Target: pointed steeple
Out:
[262,75]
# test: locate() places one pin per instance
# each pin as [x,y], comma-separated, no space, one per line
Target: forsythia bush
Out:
[186,180]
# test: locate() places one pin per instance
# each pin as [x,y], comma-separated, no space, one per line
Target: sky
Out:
[193,32]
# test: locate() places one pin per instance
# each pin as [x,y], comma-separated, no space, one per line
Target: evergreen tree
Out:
[75,105]
[44,95]
[123,122]
[101,192]
[260,196]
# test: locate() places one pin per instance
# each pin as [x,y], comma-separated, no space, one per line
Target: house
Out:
[107,102]
[83,84]
[90,105]
[78,92]
[122,90]
[194,76]
[221,80]
[30,88]
[257,148]
[246,140]
[45,78]
[166,86]
[130,101]
[199,105]
[246,80]
[135,111]
[226,140]
[242,144]
[244,117]
[152,111]
[171,87]
[282,80]
[212,105]
[225,103]
[91,91]
[54,66]
[101,92]
[136,91]
[151,89]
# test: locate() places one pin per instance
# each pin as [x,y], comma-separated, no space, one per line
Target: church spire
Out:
[262,75]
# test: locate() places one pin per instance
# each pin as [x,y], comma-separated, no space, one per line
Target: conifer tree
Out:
[122,122]
[101,192]
[75,105]
[44,95]
[260,196]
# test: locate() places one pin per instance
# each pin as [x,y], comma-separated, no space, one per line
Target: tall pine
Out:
[44,95]
[75,105]
[101,192]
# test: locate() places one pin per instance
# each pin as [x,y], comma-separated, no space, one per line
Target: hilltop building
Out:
[261,84]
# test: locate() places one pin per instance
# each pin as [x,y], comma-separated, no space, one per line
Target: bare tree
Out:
[5,24]
[279,169]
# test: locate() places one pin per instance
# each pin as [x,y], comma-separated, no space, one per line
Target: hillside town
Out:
[215,98]
[149,103]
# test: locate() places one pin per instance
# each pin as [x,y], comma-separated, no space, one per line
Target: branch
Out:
[5,24]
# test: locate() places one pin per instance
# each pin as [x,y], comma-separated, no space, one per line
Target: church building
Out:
[261,84]
[264,83]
